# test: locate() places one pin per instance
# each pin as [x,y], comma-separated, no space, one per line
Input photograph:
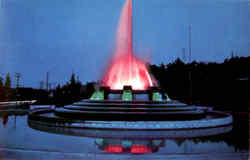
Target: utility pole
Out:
[47,81]
[190,43]
[184,55]
[190,70]
[18,76]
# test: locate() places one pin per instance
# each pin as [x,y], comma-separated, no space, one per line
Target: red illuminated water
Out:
[125,68]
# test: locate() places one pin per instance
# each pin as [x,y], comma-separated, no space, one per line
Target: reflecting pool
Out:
[17,135]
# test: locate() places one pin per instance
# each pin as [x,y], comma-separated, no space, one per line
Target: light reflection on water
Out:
[15,133]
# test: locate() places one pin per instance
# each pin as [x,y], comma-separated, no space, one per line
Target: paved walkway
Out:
[12,154]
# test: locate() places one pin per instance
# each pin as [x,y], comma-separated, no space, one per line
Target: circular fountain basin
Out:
[133,134]
[48,118]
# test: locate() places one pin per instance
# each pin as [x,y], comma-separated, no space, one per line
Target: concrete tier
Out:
[131,134]
[210,120]
[128,104]
[131,109]
[132,115]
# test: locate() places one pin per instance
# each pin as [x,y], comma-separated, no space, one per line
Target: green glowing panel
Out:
[98,95]
[157,96]
[127,95]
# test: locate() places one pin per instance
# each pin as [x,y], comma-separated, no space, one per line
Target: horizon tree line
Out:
[224,85]
[5,87]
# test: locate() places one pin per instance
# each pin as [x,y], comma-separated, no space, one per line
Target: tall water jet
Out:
[125,68]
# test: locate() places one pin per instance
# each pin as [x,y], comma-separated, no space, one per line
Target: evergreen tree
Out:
[1,82]
[73,79]
[2,97]
[8,81]
[7,87]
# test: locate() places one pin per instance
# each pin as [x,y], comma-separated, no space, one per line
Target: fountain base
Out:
[131,109]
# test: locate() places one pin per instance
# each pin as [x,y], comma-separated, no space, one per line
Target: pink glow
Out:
[114,149]
[125,68]
[140,149]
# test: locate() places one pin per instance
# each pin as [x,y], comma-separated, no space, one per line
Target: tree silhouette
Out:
[73,79]
[2,96]
[8,81]
[222,85]
[7,87]
[1,82]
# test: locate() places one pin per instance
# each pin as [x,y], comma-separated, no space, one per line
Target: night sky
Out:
[65,36]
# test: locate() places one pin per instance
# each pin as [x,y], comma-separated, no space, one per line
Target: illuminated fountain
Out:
[129,98]
[126,69]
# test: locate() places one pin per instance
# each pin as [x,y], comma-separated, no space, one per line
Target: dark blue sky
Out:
[61,36]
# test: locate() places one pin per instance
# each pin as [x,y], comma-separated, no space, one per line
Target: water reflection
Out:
[4,115]
[129,145]
[15,132]
[5,120]
[140,142]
